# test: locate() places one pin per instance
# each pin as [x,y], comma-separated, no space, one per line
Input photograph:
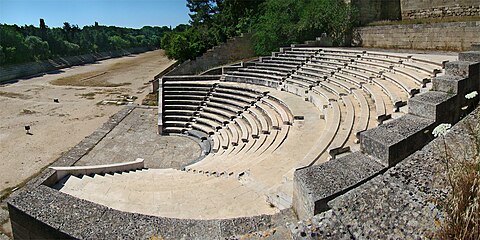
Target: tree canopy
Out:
[19,44]
[274,23]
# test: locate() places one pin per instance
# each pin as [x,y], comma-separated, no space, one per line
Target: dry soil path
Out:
[56,127]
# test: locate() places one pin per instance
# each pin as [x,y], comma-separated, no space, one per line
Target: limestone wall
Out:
[234,49]
[452,36]
[28,69]
[415,9]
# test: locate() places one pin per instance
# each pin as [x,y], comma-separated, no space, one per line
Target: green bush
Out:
[294,21]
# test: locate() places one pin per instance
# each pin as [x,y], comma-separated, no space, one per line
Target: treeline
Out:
[275,23]
[20,44]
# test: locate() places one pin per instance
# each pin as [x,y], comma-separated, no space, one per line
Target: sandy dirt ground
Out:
[56,127]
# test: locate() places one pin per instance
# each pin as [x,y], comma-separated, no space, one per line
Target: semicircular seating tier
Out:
[299,107]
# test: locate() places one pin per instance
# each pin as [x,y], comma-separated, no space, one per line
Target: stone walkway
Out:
[136,137]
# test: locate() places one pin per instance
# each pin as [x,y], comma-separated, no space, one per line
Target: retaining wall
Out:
[452,36]
[234,49]
[415,9]
[28,69]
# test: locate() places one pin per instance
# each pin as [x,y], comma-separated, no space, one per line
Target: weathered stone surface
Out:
[4,237]
[461,68]
[449,84]
[314,186]
[395,140]
[414,9]
[325,225]
[401,203]
[472,56]
[438,106]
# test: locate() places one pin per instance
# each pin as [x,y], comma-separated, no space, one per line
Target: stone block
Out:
[438,106]
[393,141]
[472,56]
[451,84]
[461,68]
[316,185]
[465,69]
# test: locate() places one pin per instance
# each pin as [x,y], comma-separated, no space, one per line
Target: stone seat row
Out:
[214,111]
[340,86]
[340,113]
[349,82]
[140,192]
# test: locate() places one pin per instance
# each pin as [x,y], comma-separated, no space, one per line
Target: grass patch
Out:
[27,112]
[151,99]
[90,79]
[90,95]
[425,21]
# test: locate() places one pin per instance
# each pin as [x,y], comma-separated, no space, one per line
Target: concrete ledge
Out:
[393,141]
[316,185]
[61,172]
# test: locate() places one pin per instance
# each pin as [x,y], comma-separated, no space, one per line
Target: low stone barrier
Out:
[61,172]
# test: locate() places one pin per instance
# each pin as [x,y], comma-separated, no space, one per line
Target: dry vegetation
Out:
[462,206]
[14,95]
[151,99]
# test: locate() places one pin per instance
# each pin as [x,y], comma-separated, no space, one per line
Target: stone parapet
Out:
[393,141]
[438,106]
[41,212]
[315,186]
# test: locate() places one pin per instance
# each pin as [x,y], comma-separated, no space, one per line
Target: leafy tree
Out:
[2,55]
[38,48]
[71,48]
[201,11]
[301,20]
[118,42]
[274,29]
[44,42]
